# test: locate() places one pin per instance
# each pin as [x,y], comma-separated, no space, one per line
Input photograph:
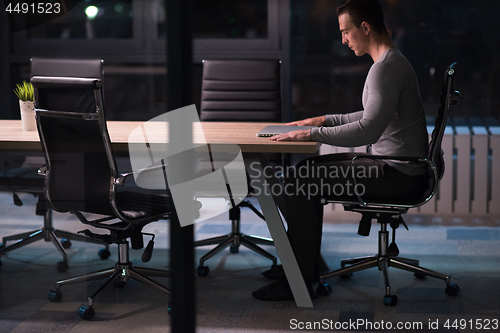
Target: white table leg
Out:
[255,164]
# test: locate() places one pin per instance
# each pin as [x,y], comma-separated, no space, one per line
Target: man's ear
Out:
[366,27]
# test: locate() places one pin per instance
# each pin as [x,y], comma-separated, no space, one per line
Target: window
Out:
[224,28]
[134,30]
[130,36]
[90,19]
[222,19]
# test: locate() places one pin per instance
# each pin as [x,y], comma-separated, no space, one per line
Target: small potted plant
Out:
[25,93]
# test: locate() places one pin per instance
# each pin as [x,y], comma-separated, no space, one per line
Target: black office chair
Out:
[240,90]
[81,177]
[389,212]
[23,178]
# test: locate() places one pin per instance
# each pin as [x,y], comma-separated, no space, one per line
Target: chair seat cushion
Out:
[410,201]
[20,173]
[138,205]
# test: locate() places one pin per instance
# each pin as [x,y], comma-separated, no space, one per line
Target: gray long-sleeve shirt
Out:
[393,119]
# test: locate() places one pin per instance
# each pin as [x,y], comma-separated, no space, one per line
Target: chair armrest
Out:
[390,157]
[42,171]
[411,159]
[120,181]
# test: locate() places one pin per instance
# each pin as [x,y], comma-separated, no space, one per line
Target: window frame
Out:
[22,46]
[144,46]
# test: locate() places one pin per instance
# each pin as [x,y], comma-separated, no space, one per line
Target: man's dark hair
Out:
[364,10]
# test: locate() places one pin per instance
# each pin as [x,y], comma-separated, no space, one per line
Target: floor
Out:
[466,247]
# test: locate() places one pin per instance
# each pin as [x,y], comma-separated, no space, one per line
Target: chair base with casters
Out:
[389,211]
[81,177]
[116,276]
[386,257]
[234,239]
[49,234]
[240,90]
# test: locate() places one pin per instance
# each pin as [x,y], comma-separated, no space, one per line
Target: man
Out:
[392,121]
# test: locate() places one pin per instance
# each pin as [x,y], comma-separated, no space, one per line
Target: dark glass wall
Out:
[322,76]
[328,78]
[129,35]
[90,19]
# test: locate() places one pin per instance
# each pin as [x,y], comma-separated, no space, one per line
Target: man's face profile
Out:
[352,36]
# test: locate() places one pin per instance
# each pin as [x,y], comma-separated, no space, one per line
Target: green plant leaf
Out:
[25,92]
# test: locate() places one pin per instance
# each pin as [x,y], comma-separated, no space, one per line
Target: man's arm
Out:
[302,135]
[321,121]
[342,119]
[329,120]
[316,121]
[383,89]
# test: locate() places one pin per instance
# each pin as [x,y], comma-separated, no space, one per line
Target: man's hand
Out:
[302,135]
[316,121]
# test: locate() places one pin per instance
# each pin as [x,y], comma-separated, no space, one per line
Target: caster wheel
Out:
[346,276]
[54,296]
[420,276]
[234,249]
[169,308]
[66,243]
[203,270]
[390,300]
[324,289]
[452,289]
[86,312]
[104,254]
[62,266]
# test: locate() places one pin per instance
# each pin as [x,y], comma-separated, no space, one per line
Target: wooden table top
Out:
[12,137]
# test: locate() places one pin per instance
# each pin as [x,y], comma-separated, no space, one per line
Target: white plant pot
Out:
[28,115]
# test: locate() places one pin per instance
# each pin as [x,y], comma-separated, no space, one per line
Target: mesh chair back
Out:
[88,68]
[449,97]
[74,137]
[16,171]
[241,90]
